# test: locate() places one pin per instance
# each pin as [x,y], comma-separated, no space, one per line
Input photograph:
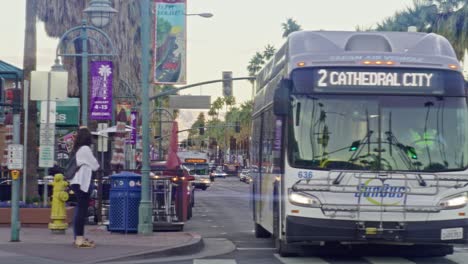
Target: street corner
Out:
[156,245]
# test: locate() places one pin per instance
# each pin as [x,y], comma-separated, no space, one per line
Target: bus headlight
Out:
[454,202]
[303,199]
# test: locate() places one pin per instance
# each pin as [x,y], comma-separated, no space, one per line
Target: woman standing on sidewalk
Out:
[81,184]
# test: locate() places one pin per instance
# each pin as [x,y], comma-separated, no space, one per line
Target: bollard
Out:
[58,213]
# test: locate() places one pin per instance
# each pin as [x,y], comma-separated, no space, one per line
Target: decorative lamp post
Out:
[99,12]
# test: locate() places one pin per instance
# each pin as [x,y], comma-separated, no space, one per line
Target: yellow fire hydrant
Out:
[58,213]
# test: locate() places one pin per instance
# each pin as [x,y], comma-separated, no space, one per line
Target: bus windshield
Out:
[386,133]
[197,168]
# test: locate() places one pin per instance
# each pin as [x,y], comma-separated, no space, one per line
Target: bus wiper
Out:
[420,179]
[354,147]
[404,151]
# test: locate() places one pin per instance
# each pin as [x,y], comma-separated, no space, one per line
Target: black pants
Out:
[81,210]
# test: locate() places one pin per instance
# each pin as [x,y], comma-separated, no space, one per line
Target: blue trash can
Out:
[124,202]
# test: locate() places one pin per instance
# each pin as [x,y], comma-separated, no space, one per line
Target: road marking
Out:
[240,248]
[214,261]
[458,257]
[388,260]
[309,260]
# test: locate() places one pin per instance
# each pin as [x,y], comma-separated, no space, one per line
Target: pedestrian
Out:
[81,184]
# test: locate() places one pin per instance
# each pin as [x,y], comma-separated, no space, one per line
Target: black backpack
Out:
[71,168]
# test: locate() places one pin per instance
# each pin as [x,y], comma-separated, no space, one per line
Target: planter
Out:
[32,217]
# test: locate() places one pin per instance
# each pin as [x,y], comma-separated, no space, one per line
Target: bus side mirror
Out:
[180,172]
[281,101]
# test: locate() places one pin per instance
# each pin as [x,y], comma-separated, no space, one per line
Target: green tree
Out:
[255,64]
[269,52]
[289,27]
[194,134]
[216,106]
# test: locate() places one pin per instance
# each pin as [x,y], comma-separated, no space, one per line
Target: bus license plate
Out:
[451,233]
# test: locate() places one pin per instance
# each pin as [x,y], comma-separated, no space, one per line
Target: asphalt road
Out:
[222,213]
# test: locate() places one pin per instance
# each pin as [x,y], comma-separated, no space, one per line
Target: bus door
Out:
[257,171]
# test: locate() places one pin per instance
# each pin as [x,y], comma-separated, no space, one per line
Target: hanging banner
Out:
[132,136]
[169,61]
[101,90]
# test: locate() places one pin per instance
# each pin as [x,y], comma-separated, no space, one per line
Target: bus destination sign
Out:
[335,78]
[194,160]
[370,79]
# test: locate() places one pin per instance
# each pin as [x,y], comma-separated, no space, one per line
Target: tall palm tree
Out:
[289,27]
[29,64]
[255,64]
[269,52]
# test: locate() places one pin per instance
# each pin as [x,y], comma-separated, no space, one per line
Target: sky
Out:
[225,42]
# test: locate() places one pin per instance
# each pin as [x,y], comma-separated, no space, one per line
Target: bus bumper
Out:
[304,230]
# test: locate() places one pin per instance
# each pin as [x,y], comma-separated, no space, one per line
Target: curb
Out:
[191,247]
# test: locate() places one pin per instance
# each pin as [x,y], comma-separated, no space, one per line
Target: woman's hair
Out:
[83,138]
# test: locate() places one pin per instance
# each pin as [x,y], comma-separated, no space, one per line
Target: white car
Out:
[220,174]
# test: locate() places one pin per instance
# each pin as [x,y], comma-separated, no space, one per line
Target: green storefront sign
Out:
[67,112]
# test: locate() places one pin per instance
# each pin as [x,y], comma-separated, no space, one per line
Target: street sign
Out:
[46,156]
[47,135]
[52,112]
[15,157]
[190,101]
[58,85]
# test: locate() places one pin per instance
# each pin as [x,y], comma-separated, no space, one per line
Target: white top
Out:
[87,161]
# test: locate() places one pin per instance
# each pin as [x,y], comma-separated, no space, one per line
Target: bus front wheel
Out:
[285,250]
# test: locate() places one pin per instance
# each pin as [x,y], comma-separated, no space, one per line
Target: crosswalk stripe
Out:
[214,261]
[308,260]
[458,257]
[388,260]
[239,248]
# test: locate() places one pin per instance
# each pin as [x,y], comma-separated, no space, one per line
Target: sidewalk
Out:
[39,245]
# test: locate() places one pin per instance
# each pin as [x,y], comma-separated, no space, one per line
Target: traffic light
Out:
[227,84]
[355,145]
[232,143]
[13,96]
[201,130]
[237,127]
[411,152]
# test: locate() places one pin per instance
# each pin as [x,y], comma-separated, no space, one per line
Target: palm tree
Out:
[448,18]
[289,27]
[123,30]
[255,64]
[29,64]
[268,52]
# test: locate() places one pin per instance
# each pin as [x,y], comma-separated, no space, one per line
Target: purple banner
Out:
[101,90]
[132,139]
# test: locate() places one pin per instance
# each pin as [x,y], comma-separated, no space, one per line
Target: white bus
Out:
[361,137]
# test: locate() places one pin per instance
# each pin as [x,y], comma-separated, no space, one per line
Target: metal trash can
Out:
[124,202]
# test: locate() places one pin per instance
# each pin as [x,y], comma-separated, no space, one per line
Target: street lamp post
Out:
[145,212]
[99,12]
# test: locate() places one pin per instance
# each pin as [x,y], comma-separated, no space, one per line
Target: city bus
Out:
[196,163]
[361,138]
